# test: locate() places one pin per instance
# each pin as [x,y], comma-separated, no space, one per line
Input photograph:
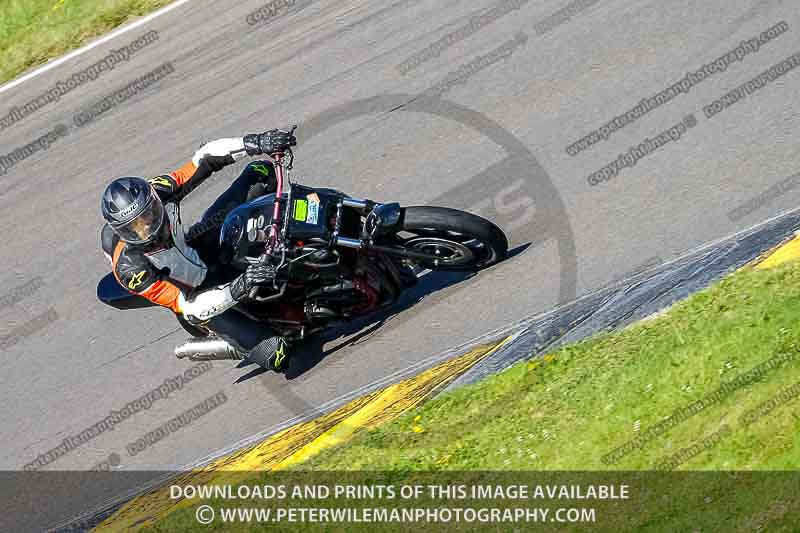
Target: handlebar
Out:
[277,156]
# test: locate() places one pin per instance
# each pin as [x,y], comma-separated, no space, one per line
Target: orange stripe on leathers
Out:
[165,294]
[183,174]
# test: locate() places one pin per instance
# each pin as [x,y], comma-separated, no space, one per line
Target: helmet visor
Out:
[144,227]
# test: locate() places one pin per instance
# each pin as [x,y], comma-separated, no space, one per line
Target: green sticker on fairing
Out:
[300,210]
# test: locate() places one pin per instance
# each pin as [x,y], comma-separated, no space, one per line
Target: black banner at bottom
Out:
[395,501]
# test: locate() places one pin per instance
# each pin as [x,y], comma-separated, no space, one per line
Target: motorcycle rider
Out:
[152,256]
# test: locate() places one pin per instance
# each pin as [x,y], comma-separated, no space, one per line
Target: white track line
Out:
[119,31]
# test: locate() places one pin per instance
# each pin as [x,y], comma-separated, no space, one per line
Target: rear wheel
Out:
[457,239]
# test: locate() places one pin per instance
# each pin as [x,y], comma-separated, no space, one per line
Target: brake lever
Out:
[291,129]
[290,164]
[279,157]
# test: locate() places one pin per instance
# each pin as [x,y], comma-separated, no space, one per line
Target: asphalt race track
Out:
[483,122]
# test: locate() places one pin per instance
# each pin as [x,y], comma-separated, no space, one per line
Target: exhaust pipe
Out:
[210,349]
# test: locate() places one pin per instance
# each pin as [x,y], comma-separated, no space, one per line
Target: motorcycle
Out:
[337,257]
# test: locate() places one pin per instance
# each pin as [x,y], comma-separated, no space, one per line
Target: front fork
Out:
[273,228]
[381,219]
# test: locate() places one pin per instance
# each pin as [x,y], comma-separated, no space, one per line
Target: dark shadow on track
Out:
[310,352]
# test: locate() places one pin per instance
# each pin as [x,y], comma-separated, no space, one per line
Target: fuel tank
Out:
[311,217]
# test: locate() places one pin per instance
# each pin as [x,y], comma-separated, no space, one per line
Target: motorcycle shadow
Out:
[312,351]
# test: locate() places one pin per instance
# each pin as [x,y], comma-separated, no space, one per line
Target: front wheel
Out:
[458,240]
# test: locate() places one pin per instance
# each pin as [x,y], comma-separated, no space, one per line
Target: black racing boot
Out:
[262,175]
[263,172]
[272,353]
[258,341]
[256,191]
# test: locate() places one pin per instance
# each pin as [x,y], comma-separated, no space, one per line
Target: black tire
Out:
[431,225]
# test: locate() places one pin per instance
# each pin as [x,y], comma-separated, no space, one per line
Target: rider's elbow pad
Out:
[207,305]
[230,149]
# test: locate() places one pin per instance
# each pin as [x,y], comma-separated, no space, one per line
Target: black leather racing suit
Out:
[171,274]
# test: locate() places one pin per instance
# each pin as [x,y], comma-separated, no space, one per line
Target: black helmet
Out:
[133,210]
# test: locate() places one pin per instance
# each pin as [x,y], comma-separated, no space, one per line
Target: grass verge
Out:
[711,385]
[34,31]
[665,385]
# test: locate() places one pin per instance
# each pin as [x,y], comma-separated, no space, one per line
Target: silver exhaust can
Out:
[210,349]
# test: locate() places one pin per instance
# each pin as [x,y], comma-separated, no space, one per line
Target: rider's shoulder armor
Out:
[165,185]
[132,269]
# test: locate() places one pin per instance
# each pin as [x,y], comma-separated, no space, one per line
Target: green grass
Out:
[569,409]
[566,411]
[35,31]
